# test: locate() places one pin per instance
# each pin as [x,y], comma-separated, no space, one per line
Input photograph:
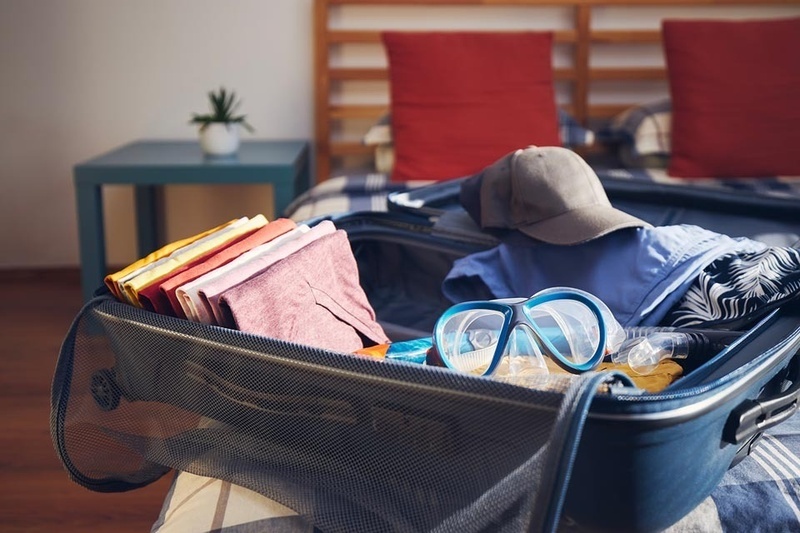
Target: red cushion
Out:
[735,89]
[462,100]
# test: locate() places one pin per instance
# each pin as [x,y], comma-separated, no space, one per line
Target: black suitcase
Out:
[356,442]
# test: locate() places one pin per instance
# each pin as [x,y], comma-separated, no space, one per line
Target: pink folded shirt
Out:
[311,297]
[211,292]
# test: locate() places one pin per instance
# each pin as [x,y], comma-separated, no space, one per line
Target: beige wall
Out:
[80,77]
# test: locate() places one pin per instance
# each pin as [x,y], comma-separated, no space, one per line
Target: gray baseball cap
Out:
[549,193]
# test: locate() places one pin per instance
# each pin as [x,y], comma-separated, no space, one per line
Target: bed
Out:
[612,91]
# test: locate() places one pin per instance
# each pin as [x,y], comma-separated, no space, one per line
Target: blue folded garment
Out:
[640,273]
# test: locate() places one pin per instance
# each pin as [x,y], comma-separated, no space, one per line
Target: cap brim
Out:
[581,225]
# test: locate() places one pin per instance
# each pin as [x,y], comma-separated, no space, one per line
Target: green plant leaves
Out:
[223,106]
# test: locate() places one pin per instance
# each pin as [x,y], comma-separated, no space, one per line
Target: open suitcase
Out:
[361,444]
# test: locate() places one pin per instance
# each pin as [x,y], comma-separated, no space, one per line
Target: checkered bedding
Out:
[342,194]
[777,187]
[761,493]
[368,191]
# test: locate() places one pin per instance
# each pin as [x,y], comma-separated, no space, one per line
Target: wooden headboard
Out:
[581,29]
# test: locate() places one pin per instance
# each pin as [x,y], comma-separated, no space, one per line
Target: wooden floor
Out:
[35,492]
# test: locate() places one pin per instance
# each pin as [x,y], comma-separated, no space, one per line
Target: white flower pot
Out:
[219,139]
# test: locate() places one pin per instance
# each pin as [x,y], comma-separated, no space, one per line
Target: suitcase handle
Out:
[754,416]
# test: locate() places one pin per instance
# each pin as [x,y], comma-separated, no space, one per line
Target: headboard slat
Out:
[625,36]
[350,148]
[357,111]
[374,36]
[656,3]
[628,73]
[382,74]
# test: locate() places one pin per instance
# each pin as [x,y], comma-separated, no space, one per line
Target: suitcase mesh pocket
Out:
[351,443]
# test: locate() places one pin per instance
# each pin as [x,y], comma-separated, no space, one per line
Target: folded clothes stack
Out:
[278,279]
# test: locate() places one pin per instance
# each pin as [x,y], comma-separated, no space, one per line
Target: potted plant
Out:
[219,130]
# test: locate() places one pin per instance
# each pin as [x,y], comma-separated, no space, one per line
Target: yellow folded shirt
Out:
[111,280]
[180,257]
[122,281]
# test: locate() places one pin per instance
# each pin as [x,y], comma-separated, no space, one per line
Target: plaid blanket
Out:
[343,194]
[369,191]
[777,187]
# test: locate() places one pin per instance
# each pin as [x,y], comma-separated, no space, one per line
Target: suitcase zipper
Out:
[408,225]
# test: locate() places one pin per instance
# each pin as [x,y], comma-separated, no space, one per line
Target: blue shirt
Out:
[640,273]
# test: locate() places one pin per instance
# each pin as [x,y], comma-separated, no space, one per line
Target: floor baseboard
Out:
[49,274]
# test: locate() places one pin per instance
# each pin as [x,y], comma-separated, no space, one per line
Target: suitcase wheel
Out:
[105,390]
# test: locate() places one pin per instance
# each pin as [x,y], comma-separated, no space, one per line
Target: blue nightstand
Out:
[149,164]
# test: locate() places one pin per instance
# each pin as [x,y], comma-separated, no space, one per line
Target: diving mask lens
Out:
[469,339]
[569,326]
